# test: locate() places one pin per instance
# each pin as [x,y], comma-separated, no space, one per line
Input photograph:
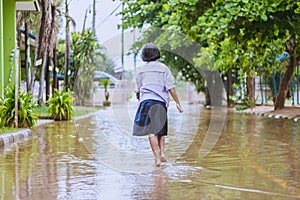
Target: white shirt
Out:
[154,79]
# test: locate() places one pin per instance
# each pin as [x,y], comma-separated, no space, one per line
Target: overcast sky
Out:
[107,30]
[106,24]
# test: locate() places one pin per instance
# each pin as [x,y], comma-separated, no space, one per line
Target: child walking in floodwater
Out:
[154,84]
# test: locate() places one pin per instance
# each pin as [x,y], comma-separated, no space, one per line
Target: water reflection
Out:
[254,158]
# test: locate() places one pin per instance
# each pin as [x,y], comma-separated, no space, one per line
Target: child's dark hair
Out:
[150,52]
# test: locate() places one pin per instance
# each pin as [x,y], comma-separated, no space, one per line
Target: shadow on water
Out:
[97,158]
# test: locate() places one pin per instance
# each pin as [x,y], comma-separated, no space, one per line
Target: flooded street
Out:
[251,157]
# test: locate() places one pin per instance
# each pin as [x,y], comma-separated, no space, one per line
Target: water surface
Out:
[97,158]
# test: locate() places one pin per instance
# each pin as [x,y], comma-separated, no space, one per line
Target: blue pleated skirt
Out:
[151,118]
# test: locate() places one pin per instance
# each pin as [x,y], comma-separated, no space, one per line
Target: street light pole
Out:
[94,17]
[67,54]
[122,40]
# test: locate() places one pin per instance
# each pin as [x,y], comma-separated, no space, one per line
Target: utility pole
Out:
[67,55]
[134,51]
[122,40]
[17,87]
[94,17]
[84,21]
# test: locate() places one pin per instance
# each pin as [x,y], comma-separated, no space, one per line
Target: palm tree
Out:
[46,43]
[48,30]
[26,20]
[52,44]
[39,44]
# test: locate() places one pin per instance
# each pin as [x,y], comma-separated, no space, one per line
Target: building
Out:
[8,9]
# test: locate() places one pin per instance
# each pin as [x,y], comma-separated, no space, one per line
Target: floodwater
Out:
[212,155]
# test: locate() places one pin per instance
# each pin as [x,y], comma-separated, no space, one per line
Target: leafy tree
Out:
[236,35]
[85,51]
[26,20]
[176,53]
[46,43]
[255,25]
[142,12]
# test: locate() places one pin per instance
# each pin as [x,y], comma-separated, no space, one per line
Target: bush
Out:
[27,117]
[61,105]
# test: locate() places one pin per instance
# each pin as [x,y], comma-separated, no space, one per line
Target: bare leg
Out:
[161,144]
[153,139]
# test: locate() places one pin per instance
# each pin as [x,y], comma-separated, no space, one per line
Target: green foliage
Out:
[61,105]
[7,130]
[42,110]
[60,56]
[86,57]
[77,110]
[235,35]
[85,51]
[105,82]
[168,33]
[140,12]
[27,116]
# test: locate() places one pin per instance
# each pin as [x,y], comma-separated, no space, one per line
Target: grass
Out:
[42,111]
[78,110]
[7,130]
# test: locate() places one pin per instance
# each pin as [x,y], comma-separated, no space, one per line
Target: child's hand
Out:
[179,108]
[138,95]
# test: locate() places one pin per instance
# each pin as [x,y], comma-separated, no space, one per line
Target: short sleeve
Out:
[169,79]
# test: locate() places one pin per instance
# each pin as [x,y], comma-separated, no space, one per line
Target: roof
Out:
[27,5]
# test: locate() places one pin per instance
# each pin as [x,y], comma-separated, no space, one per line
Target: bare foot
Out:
[157,158]
[157,164]
[163,159]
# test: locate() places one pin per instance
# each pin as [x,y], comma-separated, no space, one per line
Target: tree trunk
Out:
[54,63]
[283,90]
[229,87]
[214,88]
[38,46]
[207,90]
[67,55]
[251,90]
[42,78]
[94,17]
[17,89]
[52,46]
[47,78]
[27,57]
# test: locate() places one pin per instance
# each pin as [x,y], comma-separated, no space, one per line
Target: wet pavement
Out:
[213,154]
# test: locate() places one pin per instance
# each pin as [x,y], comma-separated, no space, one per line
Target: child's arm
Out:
[173,93]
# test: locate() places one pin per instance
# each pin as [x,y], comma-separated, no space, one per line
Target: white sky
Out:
[107,31]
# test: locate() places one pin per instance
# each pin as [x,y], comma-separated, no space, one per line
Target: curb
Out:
[24,134]
[275,116]
[17,136]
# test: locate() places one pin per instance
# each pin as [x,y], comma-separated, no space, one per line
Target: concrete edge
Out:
[24,134]
[16,136]
[19,135]
[275,116]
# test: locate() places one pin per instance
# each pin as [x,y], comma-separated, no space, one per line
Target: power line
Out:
[114,10]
